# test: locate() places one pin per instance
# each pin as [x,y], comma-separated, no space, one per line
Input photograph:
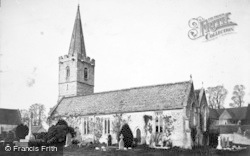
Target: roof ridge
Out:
[9,109]
[132,88]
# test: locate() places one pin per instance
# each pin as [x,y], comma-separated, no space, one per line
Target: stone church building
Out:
[174,111]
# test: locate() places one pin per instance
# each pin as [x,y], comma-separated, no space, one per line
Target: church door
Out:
[138,135]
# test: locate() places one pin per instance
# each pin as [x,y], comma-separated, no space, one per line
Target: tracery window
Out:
[86,126]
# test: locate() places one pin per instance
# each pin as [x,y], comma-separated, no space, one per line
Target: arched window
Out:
[85,73]
[67,72]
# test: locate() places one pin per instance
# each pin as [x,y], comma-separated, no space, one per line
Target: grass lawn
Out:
[144,151]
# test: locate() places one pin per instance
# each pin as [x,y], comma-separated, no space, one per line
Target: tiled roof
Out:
[10,116]
[236,113]
[37,129]
[158,97]
[199,94]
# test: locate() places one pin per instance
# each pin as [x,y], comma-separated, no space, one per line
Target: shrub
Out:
[127,134]
[42,135]
[75,142]
[22,131]
[61,122]
[57,134]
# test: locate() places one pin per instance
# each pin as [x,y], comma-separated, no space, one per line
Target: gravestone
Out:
[109,140]
[68,140]
[219,143]
[121,142]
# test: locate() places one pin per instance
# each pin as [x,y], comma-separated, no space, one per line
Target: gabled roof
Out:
[149,98]
[10,116]
[77,45]
[239,113]
[199,94]
[37,129]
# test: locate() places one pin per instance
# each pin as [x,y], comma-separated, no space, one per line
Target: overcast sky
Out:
[134,42]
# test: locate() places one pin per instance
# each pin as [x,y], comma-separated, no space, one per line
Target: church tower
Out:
[76,70]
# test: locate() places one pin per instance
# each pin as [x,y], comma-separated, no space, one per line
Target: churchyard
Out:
[66,139]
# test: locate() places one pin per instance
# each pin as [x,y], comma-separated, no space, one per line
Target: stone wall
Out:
[136,122]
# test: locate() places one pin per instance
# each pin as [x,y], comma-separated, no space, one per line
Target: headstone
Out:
[97,148]
[121,142]
[239,131]
[219,143]
[103,148]
[68,140]
[161,143]
[109,140]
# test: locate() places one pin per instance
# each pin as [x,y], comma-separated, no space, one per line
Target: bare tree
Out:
[216,96]
[38,113]
[24,116]
[238,95]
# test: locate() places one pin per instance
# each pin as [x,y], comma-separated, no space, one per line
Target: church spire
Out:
[77,41]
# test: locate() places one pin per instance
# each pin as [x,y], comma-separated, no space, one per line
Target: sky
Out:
[134,42]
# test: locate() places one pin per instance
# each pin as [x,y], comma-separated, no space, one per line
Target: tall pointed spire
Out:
[77,41]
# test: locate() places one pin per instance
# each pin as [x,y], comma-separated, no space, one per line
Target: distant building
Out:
[35,130]
[230,122]
[9,119]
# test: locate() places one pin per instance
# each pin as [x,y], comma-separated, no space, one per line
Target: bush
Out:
[57,134]
[21,131]
[61,122]
[128,135]
[75,142]
[42,135]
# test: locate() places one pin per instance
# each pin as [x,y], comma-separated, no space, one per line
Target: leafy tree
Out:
[21,131]
[238,95]
[24,116]
[216,96]
[38,113]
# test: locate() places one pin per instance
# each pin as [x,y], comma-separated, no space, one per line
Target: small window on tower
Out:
[67,73]
[85,74]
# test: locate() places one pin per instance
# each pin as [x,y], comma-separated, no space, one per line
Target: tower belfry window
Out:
[67,72]
[86,74]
